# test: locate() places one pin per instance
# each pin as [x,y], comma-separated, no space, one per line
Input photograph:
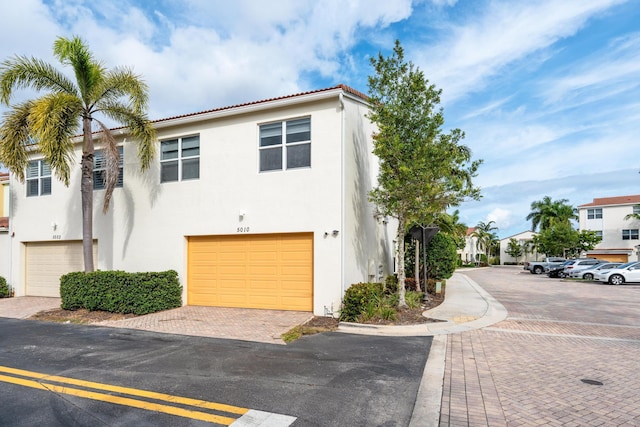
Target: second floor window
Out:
[636,209]
[630,234]
[594,213]
[285,145]
[180,159]
[38,178]
[100,170]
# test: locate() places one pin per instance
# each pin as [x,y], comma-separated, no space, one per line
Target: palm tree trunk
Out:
[401,274]
[86,188]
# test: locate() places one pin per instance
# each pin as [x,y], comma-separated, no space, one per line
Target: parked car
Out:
[557,270]
[581,264]
[538,267]
[628,272]
[588,273]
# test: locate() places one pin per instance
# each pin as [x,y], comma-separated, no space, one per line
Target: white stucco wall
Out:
[147,226]
[369,248]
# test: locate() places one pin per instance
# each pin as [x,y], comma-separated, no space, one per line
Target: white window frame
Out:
[180,159]
[100,166]
[40,178]
[595,213]
[630,234]
[636,209]
[283,145]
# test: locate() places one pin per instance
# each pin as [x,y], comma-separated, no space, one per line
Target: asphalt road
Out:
[324,380]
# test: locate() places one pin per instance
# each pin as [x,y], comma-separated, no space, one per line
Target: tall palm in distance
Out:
[547,212]
[66,108]
[485,236]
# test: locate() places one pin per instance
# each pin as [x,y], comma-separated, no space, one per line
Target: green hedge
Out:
[121,292]
[4,288]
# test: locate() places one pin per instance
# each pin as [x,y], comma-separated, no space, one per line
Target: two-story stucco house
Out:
[259,205]
[620,240]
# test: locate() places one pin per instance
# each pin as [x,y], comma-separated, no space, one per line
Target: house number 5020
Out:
[242,229]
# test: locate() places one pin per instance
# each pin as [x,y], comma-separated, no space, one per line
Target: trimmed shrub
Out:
[121,292]
[4,288]
[442,257]
[356,299]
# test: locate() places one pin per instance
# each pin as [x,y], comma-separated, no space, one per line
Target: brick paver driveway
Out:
[568,354]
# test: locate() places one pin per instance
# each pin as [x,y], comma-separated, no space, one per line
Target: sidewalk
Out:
[466,307]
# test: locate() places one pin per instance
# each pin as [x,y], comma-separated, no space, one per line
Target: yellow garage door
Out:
[47,261]
[270,271]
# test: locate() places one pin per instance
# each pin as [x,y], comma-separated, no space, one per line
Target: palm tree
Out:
[51,121]
[485,236]
[547,212]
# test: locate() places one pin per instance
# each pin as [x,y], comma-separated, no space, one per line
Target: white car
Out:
[589,273]
[628,272]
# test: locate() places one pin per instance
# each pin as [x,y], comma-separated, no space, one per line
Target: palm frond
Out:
[22,72]
[122,82]
[88,71]
[112,160]
[53,120]
[139,127]
[14,138]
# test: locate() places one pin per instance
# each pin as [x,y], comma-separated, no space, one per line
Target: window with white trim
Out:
[598,233]
[100,170]
[636,209]
[180,159]
[38,178]
[594,213]
[291,152]
[630,234]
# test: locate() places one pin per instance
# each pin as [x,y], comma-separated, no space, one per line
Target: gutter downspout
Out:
[10,237]
[342,199]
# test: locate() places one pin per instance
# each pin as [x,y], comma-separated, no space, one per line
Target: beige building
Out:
[606,216]
[259,205]
[525,240]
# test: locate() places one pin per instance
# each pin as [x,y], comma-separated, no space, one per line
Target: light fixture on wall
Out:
[242,214]
[54,226]
[334,233]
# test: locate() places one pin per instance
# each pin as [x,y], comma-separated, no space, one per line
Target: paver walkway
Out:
[568,354]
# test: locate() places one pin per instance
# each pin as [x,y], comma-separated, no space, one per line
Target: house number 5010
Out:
[242,229]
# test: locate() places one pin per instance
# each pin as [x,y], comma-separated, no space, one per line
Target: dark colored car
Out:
[558,270]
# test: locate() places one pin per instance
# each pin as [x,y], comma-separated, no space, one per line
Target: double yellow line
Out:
[46,382]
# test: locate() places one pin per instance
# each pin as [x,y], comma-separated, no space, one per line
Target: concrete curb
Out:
[426,410]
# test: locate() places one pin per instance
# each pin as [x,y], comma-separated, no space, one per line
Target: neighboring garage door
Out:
[612,257]
[269,271]
[47,261]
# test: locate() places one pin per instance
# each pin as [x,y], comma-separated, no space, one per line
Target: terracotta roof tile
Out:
[608,201]
[345,88]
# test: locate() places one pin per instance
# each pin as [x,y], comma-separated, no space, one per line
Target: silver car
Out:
[581,264]
[589,273]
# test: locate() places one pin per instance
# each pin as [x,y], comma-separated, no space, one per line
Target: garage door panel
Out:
[46,262]
[273,271]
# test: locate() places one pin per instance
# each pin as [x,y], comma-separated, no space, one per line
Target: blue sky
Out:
[547,92]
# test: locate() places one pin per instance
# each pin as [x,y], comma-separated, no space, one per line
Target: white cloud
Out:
[503,33]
